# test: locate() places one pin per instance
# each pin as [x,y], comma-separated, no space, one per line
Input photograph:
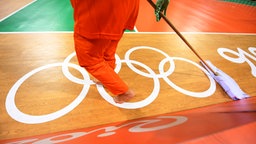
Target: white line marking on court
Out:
[136,32]
[135,29]
[17,11]
[37,32]
[224,33]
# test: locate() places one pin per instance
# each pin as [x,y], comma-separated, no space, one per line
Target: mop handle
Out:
[181,36]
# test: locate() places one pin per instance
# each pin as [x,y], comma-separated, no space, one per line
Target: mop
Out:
[224,80]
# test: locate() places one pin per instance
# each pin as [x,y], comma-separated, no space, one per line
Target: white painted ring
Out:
[17,115]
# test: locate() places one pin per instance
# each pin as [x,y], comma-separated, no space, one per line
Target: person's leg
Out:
[109,56]
[90,54]
[109,53]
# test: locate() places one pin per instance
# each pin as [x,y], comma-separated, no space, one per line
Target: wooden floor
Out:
[49,90]
[11,6]
[32,79]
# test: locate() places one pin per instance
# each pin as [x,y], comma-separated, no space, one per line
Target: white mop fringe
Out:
[226,82]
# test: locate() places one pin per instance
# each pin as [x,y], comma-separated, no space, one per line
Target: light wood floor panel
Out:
[7,7]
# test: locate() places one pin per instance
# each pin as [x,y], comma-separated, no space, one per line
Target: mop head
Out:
[226,82]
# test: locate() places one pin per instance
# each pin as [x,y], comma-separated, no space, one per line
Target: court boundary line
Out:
[59,32]
[4,18]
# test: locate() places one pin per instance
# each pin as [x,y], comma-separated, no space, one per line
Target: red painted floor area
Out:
[200,16]
[231,122]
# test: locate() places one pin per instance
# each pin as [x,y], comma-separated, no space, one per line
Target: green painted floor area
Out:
[42,15]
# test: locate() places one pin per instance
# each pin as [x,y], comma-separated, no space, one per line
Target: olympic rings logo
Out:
[16,114]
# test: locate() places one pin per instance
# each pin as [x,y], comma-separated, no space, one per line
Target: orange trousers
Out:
[97,56]
[99,25]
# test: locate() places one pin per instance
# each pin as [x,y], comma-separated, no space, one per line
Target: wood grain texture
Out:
[7,7]
[49,90]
